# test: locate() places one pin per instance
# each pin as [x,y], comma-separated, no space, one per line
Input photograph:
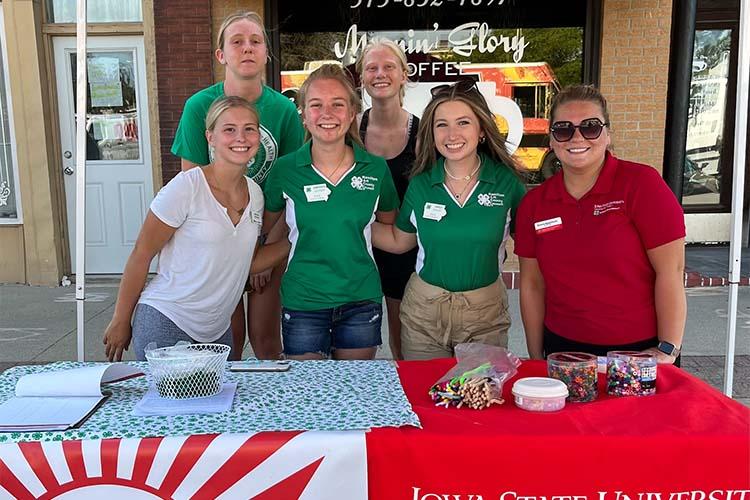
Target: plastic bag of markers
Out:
[477,379]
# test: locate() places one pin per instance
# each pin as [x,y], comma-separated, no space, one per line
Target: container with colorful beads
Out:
[578,371]
[631,373]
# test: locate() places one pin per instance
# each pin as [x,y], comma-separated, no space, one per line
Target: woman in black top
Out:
[389,131]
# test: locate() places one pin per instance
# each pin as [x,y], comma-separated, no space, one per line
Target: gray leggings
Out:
[149,325]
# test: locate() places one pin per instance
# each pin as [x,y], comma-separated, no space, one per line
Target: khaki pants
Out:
[434,320]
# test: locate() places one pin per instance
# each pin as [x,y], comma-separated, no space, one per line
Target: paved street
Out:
[38,324]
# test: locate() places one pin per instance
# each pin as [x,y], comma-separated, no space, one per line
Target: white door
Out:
[119,183]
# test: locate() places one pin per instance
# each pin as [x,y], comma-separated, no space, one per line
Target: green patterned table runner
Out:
[312,395]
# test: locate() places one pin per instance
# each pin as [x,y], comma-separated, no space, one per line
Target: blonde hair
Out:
[251,16]
[222,104]
[493,146]
[339,74]
[375,43]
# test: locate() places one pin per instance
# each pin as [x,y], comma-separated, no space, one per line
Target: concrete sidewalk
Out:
[38,325]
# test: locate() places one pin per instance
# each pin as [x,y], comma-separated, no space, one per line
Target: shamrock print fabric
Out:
[312,395]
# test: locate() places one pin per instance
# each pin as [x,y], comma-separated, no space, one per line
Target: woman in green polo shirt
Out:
[332,190]
[243,51]
[459,208]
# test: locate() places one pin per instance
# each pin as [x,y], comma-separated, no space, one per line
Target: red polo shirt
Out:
[599,283]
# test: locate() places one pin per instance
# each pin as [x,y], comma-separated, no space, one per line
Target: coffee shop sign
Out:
[463,40]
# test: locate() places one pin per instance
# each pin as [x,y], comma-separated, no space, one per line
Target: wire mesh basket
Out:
[189,370]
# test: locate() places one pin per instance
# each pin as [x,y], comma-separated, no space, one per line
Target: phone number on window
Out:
[379,4]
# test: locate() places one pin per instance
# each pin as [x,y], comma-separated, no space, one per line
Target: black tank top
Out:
[401,164]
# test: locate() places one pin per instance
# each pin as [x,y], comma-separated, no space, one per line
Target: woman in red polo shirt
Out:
[601,245]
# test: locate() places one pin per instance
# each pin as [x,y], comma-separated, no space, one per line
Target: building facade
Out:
[146,57]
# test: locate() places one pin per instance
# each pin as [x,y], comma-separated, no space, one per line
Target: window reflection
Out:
[111,107]
[706,114]
[98,11]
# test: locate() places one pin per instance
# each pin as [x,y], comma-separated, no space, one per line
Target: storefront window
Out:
[524,55]
[98,11]
[704,162]
[9,203]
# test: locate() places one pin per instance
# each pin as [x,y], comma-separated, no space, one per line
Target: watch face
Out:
[667,348]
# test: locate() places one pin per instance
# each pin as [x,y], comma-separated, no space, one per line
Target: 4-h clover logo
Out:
[358,183]
[484,200]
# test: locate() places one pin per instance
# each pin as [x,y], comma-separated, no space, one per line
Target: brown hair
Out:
[251,16]
[587,93]
[339,74]
[222,104]
[393,47]
[493,146]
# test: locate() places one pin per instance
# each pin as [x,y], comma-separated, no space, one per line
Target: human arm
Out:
[668,261]
[270,255]
[532,305]
[260,276]
[152,238]
[391,239]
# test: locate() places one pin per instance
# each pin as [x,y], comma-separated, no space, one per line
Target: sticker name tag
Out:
[256,217]
[434,211]
[545,226]
[317,192]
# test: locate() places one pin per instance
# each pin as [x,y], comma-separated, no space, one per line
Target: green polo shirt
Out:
[330,263]
[281,130]
[464,249]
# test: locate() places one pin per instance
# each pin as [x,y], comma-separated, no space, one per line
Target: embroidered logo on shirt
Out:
[491,199]
[603,208]
[364,183]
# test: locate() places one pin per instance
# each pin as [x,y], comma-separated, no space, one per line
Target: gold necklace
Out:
[338,166]
[465,177]
[225,197]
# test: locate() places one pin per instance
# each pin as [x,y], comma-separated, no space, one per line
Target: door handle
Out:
[68,171]
[68,155]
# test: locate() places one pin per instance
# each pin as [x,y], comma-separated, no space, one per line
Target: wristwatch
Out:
[668,348]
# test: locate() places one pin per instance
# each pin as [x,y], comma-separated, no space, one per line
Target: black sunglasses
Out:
[590,129]
[463,86]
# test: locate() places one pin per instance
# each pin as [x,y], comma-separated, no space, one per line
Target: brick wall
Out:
[221,9]
[183,62]
[634,74]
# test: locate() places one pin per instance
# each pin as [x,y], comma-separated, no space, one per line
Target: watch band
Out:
[668,348]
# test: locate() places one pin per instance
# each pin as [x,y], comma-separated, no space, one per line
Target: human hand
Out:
[116,339]
[661,358]
[259,280]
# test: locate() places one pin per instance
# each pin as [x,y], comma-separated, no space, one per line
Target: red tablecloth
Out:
[687,442]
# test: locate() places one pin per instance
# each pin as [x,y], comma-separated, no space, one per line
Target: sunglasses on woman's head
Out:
[590,129]
[463,86]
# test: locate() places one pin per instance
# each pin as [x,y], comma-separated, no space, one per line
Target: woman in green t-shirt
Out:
[332,191]
[242,50]
[459,208]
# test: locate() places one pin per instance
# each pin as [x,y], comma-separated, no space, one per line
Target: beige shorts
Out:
[434,320]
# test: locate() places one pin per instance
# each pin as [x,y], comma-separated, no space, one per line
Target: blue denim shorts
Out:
[355,325]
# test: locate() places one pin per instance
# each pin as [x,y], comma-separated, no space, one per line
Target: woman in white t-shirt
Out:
[204,225]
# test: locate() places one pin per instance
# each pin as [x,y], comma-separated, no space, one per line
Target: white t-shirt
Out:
[203,268]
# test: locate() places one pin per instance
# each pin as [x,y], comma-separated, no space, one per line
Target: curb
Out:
[692,280]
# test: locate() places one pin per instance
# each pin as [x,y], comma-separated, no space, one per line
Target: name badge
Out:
[434,211]
[256,217]
[545,226]
[317,192]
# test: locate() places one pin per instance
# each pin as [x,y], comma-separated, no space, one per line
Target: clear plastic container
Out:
[540,394]
[578,371]
[631,373]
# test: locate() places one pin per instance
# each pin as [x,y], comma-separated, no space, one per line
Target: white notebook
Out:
[59,400]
